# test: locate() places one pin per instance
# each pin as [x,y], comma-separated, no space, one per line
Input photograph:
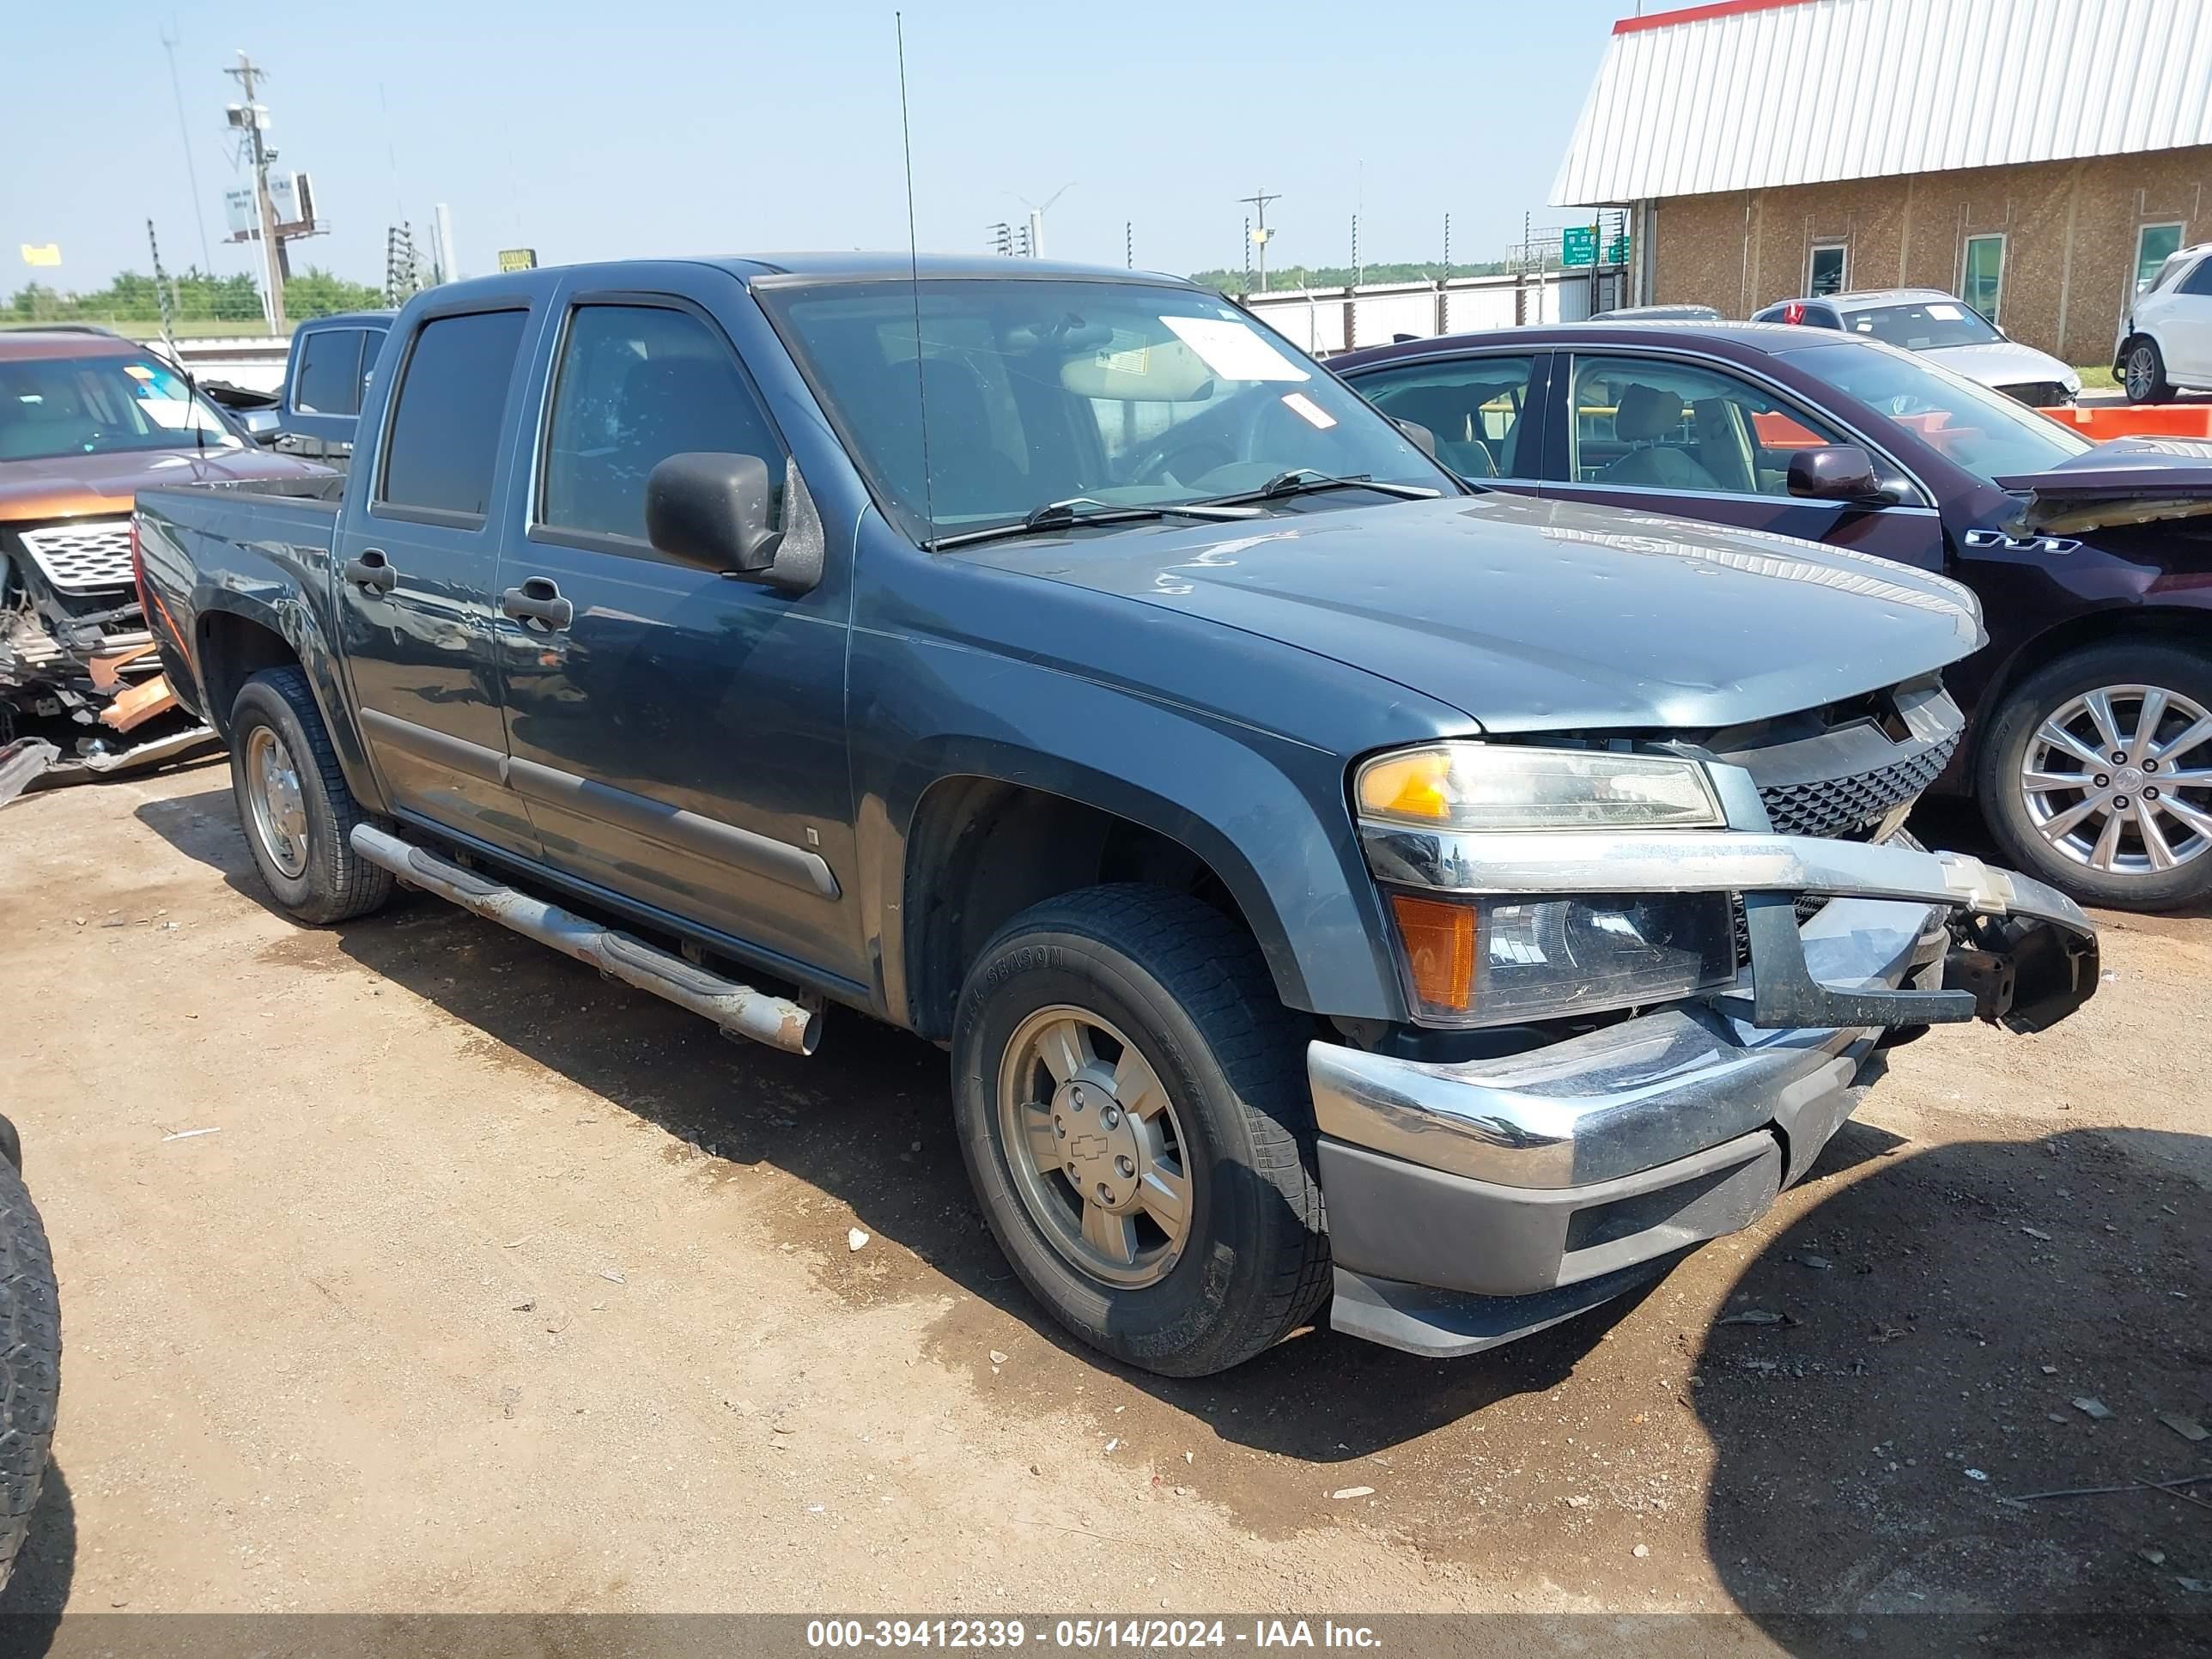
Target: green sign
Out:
[1616,250]
[1578,245]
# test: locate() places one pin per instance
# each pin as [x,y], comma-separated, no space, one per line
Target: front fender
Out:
[1267,814]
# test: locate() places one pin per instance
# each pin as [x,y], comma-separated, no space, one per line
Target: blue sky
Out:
[669,127]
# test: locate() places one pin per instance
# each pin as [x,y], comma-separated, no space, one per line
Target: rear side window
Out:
[329,380]
[445,430]
[637,384]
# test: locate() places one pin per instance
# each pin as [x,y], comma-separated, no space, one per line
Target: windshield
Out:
[54,406]
[1922,325]
[1983,431]
[1038,391]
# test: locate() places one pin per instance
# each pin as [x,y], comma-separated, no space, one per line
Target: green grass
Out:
[2096,377]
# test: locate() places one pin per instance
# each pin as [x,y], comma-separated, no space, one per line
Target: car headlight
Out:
[1500,961]
[1484,786]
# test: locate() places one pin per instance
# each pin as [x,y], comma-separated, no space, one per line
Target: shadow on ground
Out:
[1861,1446]
[31,1607]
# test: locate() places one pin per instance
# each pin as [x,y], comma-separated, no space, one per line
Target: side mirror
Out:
[1834,472]
[1420,436]
[260,424]
[718,512]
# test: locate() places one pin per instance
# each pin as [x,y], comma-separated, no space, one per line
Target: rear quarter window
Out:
[448,420]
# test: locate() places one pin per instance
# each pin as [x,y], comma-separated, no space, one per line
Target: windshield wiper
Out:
[1087,510]
[1305,481]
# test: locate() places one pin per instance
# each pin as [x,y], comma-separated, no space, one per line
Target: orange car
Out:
[86,419]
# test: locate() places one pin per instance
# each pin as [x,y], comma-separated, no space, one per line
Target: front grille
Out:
[1851,806]
[2037,394]
[83,558]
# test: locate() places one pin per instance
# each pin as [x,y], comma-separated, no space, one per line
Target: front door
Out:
[678,733]
[416,552]
[1692,441]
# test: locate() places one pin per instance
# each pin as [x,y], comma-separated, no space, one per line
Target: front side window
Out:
[2154,246]
[444,441]
[1039,391]
[1481,410]
[1922,325]
[636,385]
[1981,280]
[329,381]
[1826,274]
[1649,423]
[101,405]
[1983,431]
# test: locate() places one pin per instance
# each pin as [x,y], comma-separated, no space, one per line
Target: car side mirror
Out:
[1421,438]
[260,424]
[1834,472]
[719,513]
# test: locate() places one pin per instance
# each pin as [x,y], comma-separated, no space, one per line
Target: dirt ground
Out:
[407,1266]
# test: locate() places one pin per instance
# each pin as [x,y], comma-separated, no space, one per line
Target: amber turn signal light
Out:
[1439,943]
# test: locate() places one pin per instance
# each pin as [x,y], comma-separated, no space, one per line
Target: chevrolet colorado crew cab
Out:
[1336,884]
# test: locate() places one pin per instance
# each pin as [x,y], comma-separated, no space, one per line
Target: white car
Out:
[2165,343]
[1945,328]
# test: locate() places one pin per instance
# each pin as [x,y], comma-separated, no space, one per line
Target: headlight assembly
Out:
[1483,786]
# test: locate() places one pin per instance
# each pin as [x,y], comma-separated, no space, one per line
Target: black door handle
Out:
[372,569]
[537,600]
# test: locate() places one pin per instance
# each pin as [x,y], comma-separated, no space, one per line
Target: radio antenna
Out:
[913,280]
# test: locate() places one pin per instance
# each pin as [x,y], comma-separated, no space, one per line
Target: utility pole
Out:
[1258,237]
[253,119]
[1447,247]
[1359,270]
[1129,243]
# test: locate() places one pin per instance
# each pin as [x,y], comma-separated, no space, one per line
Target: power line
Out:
[185,134]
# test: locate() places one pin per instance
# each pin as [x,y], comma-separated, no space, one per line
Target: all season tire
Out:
[2068,721]
[30,1359]
[293,804]
[2142,372]
[1133,1034]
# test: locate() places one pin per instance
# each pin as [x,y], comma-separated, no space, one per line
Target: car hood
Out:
[74,486]
[2133,480]
[1534,616]
[2001,363]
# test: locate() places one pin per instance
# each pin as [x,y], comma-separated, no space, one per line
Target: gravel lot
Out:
[501,1287]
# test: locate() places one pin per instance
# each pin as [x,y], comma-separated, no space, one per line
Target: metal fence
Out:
[1331,319]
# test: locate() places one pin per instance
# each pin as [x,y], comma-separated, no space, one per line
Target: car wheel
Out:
[293,804]
[2096,774]
[1131,1103]
[30,1361]
[2142,372]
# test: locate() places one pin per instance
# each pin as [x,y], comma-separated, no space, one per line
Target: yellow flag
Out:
[50,254]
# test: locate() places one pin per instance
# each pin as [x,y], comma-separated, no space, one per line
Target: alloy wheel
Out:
[1095,1147]
[2143,373]
[280,808]
[2119,779]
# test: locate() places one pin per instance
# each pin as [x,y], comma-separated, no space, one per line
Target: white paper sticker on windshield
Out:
[1945,313]
[1308,410]
[1234,350]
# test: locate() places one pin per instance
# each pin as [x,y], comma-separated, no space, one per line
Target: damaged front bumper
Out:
[1472,1201]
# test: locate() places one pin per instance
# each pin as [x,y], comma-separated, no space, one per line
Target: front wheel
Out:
[2143,373]
[1133,1108]
[2096,774]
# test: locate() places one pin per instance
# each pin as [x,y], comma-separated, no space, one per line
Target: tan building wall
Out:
[2069,228]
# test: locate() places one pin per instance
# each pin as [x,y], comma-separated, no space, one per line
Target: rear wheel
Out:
[1133,1110]
[2142,372]
[30,1358]
[2096,774]
[293,804]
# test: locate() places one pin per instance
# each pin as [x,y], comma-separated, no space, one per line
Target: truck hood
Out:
[1533,616]
[2126,481]
[2002,363]
[74,486]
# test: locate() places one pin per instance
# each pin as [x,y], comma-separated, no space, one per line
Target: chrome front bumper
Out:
[1471,1201]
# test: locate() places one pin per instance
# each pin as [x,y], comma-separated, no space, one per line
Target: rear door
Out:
[679,734]
[2184,326]
[1692,439]
[1485,408]
[416,553]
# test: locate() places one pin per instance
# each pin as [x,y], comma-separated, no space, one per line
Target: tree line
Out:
[1295,276]
[195,297]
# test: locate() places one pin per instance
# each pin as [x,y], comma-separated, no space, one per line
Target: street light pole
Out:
[1258,201]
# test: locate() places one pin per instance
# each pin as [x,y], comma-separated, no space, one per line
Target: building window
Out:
[1828,269]
[2154,246]
[1981,275]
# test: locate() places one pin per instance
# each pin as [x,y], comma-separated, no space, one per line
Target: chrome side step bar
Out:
[740,1010]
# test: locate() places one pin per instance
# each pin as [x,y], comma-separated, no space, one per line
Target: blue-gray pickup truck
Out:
[1338,886]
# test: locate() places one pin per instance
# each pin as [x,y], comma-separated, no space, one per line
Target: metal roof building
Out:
[2014,148]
